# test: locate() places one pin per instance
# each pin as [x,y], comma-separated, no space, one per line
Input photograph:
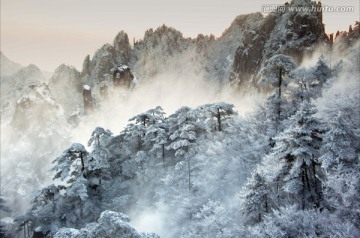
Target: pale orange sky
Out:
[48,33]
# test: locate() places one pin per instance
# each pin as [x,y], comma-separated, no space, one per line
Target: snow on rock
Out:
[293,33]
[110,224]
[87,87]
[65,86]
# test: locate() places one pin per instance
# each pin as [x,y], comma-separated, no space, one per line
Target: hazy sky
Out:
[50,32]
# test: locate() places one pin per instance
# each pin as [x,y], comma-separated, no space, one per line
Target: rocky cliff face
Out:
[237,56]
[154,54]
[99,67]
[36,109]
[122,48]
[222,52]
[66,87]
[293,33]
[37,130]
[13,87]
[248,56]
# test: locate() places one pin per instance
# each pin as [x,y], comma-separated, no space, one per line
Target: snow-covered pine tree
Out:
[157,136]
[139,138]
[149,117]
[155,133]
[308,83]
[110,224]
[137,130]
[215,115]
[342,195]
[210,220]
[341,164]
[70,164]
[100,138]
[292,167]
[97,165]
[3,209]
[76,205]
[289,221]
[43,216]
[273,73]
[255,199]
[321,73]
[183,132]
[337,149]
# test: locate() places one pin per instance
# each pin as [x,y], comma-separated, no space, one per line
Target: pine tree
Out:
[110,224]
[338,148]
[292,166]
[3,208]
[97,166]
[76,205]
[69,162]
[157,137]
[308,83]
[341,164]
[136,131]
[100,137]
[183,131]
[218,111]
[272,73]
[255,199]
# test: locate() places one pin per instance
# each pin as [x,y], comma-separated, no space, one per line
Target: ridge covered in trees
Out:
[289,169]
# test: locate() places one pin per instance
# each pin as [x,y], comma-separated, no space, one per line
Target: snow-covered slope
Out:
[12,88]
[293,33]
[66,87]
[36,131]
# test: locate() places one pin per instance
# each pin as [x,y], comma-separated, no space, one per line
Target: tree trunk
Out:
[81,210]
[28,228]
[218,116]
[139,143]
[82,162]
[317,188]
[279,102]
[307,178]
[266,205]
[259,217]
[163,153]
[189,174]
[303,186]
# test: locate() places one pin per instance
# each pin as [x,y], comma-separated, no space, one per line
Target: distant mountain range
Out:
[235,57]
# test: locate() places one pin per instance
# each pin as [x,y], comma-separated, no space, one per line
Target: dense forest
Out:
[285,164]
[288,169]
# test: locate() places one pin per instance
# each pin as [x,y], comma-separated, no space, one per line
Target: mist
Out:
[31,143]
[27,152]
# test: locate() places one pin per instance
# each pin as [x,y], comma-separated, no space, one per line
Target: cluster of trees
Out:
[280,172]
[310,174]
[86,182]
[3,209]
